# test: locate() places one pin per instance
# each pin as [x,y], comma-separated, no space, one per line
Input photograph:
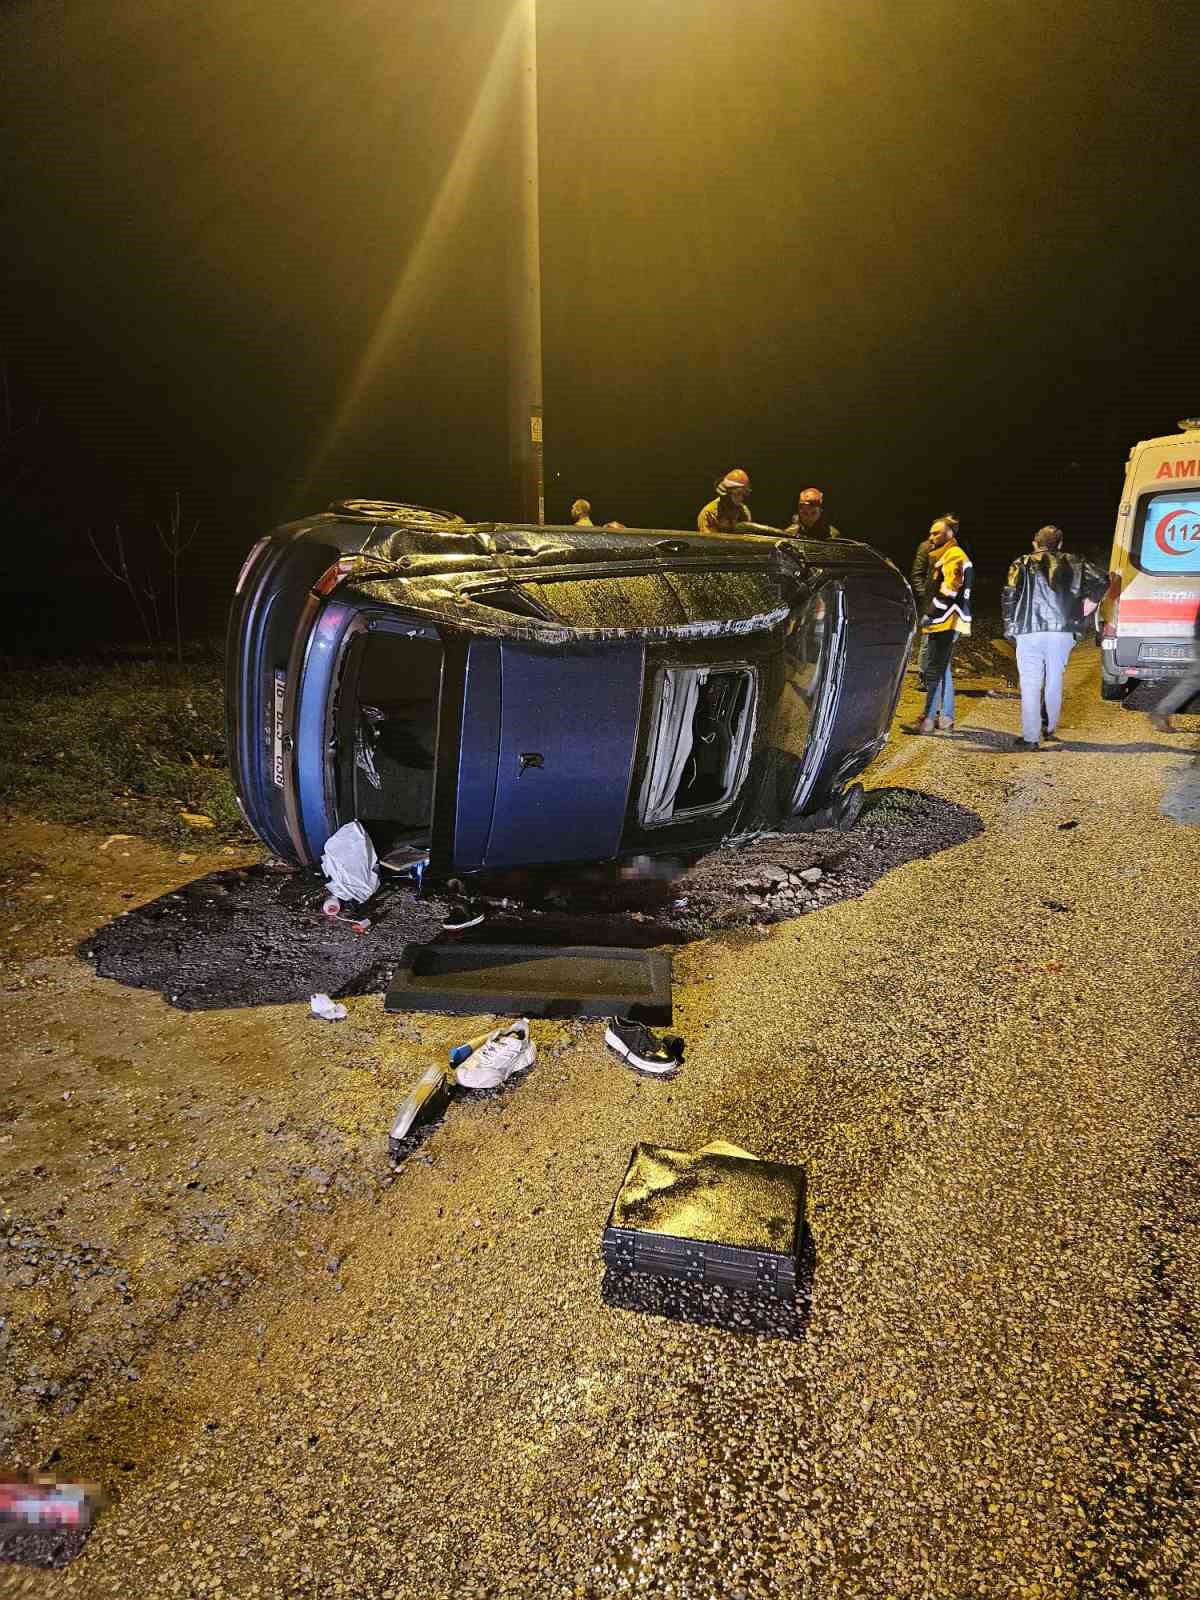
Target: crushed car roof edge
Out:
[487,577]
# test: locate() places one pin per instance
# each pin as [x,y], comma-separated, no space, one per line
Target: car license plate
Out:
[1167,652]
[277,729]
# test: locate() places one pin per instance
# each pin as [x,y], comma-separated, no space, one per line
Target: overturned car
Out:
[495,695]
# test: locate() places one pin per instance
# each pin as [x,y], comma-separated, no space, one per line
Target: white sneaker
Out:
[501,1056]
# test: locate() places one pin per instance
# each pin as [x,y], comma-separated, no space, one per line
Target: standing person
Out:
[581,514]
[921,571]
[920,580]
[1045,602]
[1175,699]
[723,514]
[809,520]
[947,616]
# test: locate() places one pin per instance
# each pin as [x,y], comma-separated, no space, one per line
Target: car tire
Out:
[847,808]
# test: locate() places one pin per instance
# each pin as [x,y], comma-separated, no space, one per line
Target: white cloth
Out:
[350,864]
[1041,663]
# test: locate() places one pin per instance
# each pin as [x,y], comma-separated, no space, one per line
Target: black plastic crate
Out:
[709,1218]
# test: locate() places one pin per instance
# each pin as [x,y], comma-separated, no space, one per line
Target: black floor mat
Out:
[533,981]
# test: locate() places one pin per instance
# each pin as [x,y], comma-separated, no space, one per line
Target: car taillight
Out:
[248,563]
[332,576]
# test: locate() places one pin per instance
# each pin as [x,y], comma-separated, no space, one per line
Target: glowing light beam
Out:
[446,217]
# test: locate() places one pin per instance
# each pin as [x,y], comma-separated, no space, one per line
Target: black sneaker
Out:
[1024,744]
[463,914]
[642,1049]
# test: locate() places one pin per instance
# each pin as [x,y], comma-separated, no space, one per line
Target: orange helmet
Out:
[734,479]
[811,497]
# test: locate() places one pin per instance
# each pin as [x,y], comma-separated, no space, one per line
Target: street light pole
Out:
[525,355]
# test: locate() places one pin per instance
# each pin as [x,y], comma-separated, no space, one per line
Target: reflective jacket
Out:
[1045,593]
[948,609]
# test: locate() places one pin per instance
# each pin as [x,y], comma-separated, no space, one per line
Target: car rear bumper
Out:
[270,624]
[1160,660]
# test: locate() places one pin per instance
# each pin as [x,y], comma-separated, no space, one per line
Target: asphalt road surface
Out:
[988,1064]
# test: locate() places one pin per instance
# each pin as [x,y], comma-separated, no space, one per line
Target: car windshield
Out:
[1169,542]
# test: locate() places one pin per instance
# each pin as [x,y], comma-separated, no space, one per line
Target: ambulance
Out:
[1150,617]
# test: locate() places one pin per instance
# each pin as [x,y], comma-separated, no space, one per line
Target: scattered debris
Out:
[350,864]
[254,935]
[406,859]
[196,819]
[642,1049]
[715,1215]
[463,914]
[1055,905]
[1064,826]
[329,1010]
[44,1522]
[502,1055]
[115,838]
[421,1109]
[332,911]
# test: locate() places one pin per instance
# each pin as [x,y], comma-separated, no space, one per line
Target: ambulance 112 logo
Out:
[1178,534]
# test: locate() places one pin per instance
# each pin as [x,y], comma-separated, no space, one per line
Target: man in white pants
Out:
[1046,600]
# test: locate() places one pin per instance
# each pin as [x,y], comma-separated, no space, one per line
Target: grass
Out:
[119,744]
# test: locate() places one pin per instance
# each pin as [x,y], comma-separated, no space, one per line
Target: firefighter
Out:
[809,521]
[723,514]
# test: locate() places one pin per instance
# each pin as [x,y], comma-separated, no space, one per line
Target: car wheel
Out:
[847,808]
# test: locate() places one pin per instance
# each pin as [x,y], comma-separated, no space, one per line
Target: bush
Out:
[119,744]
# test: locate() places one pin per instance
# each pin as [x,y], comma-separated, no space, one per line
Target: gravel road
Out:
[415,1388]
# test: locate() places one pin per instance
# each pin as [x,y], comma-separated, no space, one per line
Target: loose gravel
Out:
[996,1388]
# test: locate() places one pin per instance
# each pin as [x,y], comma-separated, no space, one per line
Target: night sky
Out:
[927,256]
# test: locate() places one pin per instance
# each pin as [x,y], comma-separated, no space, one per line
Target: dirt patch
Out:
[167,1168]
[255,936]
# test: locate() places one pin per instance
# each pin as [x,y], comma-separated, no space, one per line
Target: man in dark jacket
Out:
[922,565]
[1045,604]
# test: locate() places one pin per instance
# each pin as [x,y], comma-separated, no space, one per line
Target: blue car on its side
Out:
[499,695]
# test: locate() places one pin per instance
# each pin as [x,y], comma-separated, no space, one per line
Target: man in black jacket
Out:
[1045,603]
